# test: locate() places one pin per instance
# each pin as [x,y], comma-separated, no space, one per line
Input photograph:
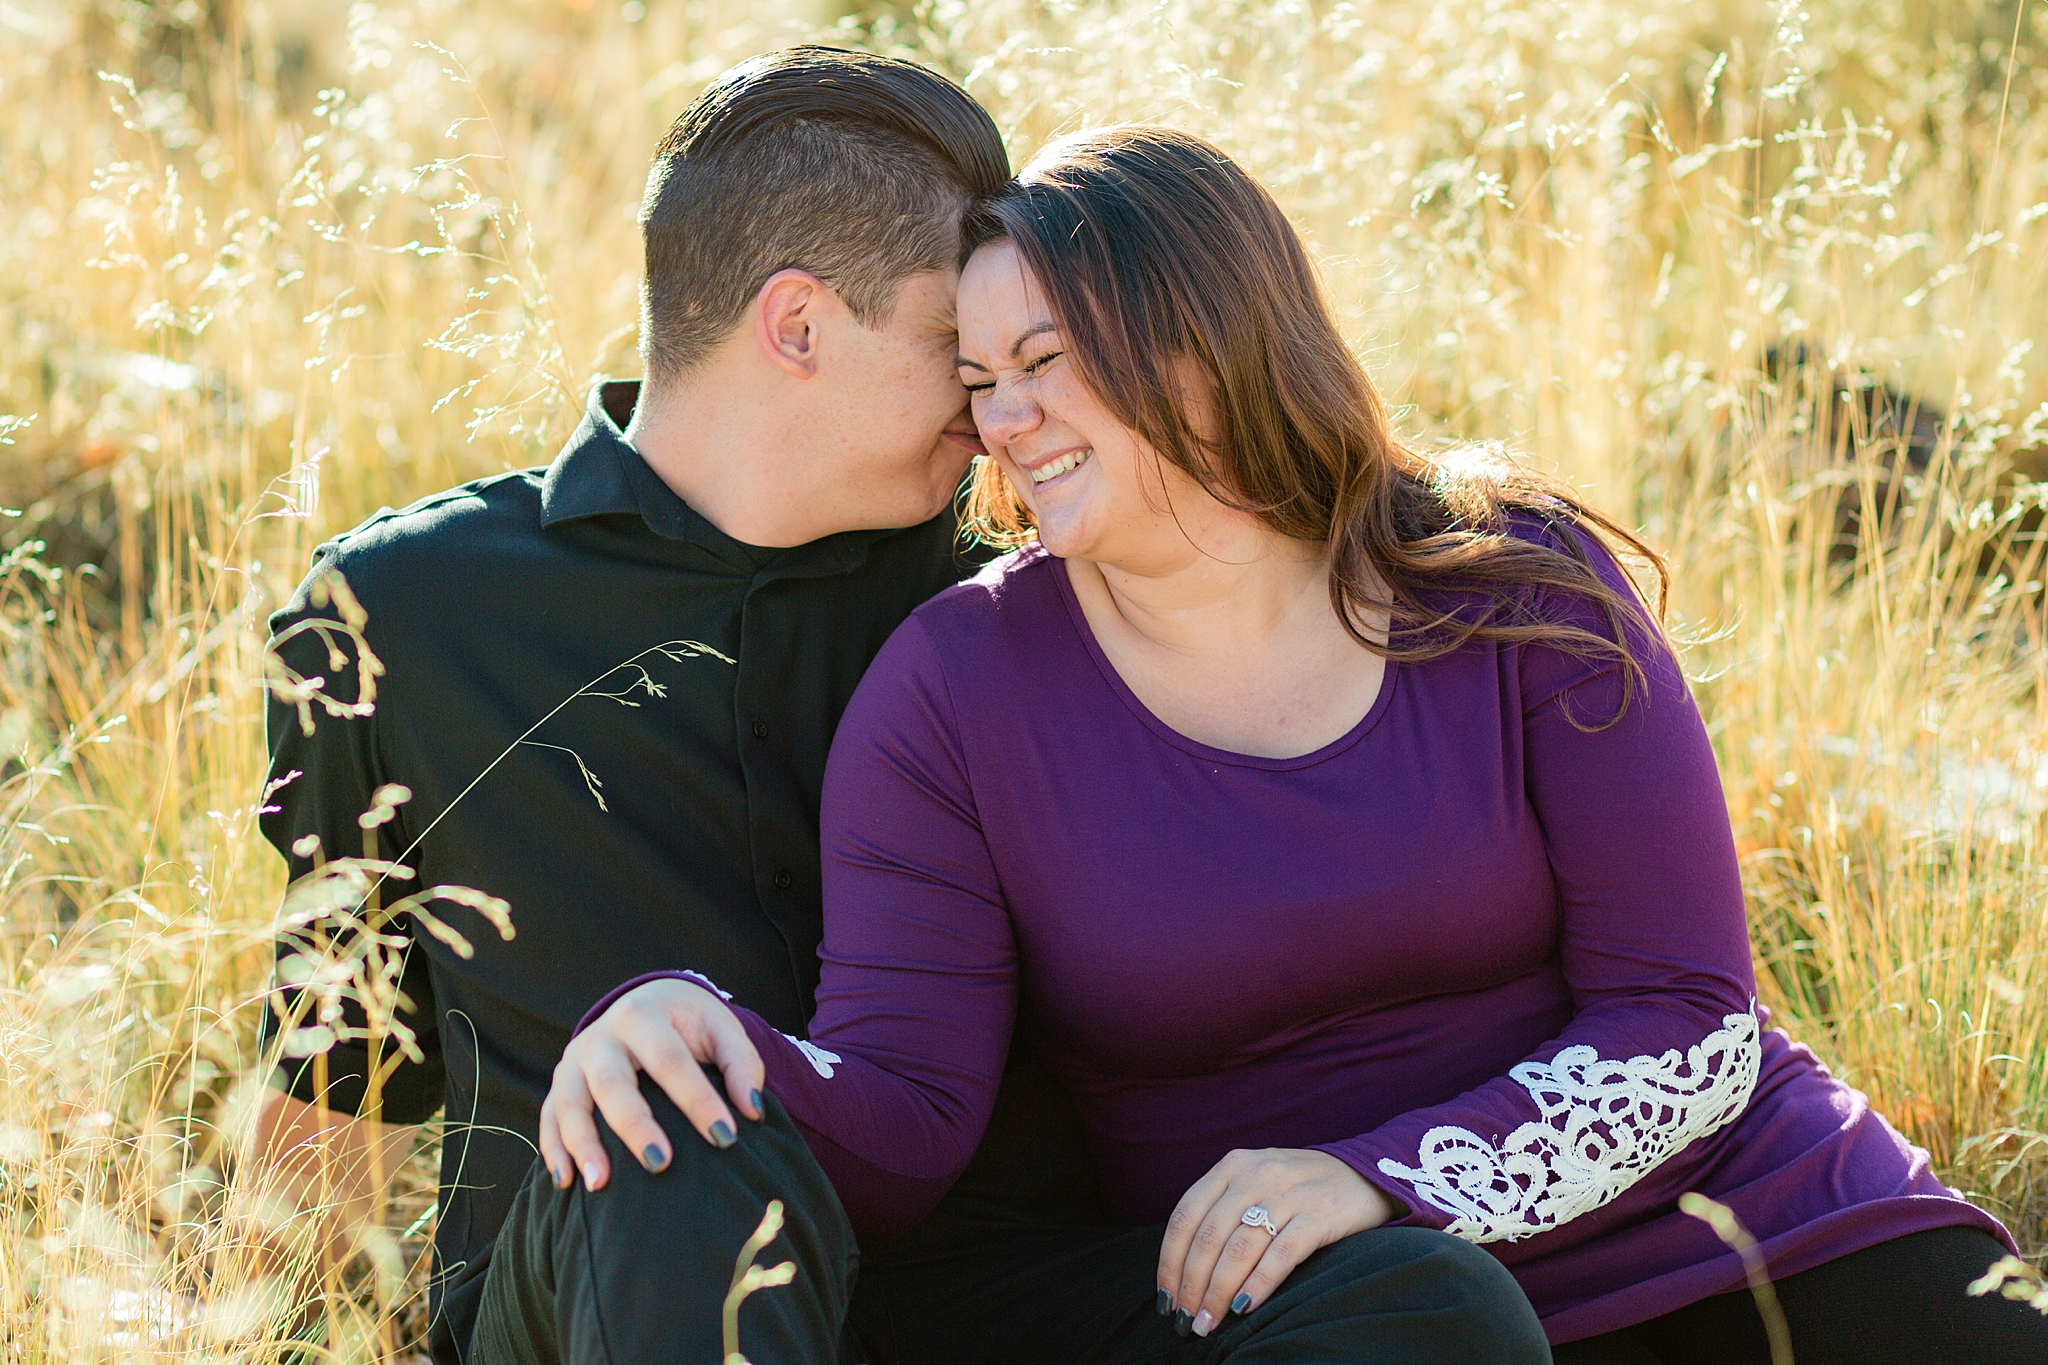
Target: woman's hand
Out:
[1212,1263]
[665,1028]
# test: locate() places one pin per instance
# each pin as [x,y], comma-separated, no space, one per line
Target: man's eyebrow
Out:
[961,362]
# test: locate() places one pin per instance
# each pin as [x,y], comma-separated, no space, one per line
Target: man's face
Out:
[895,420]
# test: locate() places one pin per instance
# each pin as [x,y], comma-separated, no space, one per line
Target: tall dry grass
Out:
[267,267]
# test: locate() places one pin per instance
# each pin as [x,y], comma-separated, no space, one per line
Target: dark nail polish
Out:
[1240,1303]
[721,1135]
[1183,1321]
[654,1158]
[754,1098]
[561,1178]
[1164,1303]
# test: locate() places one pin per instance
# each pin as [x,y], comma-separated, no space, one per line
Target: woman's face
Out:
[1097,490]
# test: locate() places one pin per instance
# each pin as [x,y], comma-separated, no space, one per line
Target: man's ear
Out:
[786,317]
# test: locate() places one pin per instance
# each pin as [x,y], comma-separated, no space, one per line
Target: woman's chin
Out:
[1062,538]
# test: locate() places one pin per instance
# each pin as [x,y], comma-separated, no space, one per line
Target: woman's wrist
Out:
[624,988]
[1385,1207]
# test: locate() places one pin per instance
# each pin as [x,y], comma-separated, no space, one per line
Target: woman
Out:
[1337,821]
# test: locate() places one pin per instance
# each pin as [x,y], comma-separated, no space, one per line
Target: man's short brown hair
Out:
[854,167]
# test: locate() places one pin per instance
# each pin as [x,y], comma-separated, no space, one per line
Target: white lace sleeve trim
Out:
[821,1061]
[1604,1126]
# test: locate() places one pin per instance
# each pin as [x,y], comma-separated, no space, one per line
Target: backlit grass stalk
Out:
[748,1277]
[1736,1238]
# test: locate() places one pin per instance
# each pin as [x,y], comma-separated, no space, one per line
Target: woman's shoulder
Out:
[998,625]
[1002,617]
[1618,631]
[1533,535]
[1001,604]
[1561,530]
[1554,527]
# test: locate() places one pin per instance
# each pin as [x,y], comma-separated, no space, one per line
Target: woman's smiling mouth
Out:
[1053,468]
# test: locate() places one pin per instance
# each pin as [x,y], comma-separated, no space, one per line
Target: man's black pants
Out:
[639,1273]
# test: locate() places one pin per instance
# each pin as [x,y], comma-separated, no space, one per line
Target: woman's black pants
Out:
[1902,1302]
[639,1273]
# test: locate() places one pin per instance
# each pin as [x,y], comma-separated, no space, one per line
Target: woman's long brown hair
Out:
[1152,247]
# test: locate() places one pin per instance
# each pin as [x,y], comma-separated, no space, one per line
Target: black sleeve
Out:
[321,725]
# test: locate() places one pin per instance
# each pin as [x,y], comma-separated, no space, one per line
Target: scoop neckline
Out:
[1057,567]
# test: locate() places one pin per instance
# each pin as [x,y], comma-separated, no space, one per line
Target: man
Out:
[603,696]
[779,497]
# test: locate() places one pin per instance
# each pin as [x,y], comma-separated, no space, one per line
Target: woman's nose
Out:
[1004,414]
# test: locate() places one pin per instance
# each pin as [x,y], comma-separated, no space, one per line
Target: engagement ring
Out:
[1257,1217]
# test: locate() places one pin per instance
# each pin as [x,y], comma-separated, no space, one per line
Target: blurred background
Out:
[1766,280]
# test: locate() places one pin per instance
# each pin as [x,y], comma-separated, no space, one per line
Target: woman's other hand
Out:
[1213,1263]
[666,1028]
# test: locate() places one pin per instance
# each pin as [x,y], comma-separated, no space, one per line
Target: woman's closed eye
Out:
[1033,367]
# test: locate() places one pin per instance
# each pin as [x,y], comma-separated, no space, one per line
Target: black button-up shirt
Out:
[610,715]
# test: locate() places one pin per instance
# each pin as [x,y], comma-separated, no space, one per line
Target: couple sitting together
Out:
[1283,910]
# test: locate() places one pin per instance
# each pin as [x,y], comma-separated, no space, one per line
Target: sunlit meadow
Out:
[1765,280]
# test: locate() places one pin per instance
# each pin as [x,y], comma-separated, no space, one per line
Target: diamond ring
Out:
[1257,1217]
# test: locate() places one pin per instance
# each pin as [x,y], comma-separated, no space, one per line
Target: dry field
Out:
[1765,280]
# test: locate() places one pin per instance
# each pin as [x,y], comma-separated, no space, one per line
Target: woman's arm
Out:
[1663,1048]
[918,990]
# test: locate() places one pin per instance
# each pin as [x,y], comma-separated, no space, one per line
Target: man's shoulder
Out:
[454,517]
[925,558]
[387,556]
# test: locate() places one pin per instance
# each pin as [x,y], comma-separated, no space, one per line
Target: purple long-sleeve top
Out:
[1494,960]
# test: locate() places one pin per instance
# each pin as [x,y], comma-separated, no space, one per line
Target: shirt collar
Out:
[588,479]
[598,473]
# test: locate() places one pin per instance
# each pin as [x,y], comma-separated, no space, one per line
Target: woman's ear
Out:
[786,317]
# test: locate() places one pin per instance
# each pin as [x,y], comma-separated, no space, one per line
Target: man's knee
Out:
[648,1259]
[701,1186]
[767,1160]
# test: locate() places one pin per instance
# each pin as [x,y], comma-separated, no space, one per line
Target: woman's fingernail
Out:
[560,1176]
[754,1098]
[1240,1303]
[1182,1320]
[1205,1323]
[654,1158]
[590,1175]
[1164,1303]
[721,1135]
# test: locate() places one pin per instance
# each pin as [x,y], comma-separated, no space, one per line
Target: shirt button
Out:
[760,729]
[782,881]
